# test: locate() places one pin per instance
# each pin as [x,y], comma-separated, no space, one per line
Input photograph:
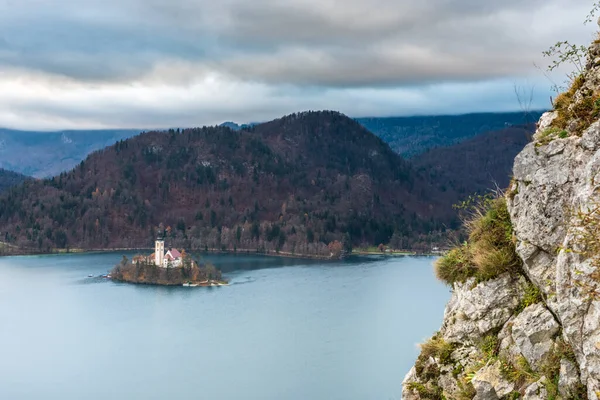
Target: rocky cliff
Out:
[531,331]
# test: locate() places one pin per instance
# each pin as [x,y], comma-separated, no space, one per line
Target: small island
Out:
[170,268]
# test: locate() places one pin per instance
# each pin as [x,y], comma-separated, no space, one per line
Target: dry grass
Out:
[490,250]
[519,372]
[436,348]
[439,349]
[456,265]
[428,391]
[576,116]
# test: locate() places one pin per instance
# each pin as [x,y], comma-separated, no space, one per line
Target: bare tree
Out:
[524,96]
[572,55]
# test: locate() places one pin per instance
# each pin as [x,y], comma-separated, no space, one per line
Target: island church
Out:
[171,259]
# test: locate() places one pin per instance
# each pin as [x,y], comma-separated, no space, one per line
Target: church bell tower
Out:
[159,251]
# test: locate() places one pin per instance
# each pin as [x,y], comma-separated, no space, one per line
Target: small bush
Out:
[564,100]
[490,250]
[550,368]
[456,265]
[437,348]
[519,372]
[532,296]
[550,134]
[489,346]
[563,134]
[576,115]
[458,369]
[429,391]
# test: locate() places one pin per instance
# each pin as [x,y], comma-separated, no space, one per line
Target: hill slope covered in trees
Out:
[45,154]
[9,179]
[294,184]
[476,165]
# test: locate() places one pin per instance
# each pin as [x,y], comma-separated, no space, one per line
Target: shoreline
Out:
[25,252]
[194,284]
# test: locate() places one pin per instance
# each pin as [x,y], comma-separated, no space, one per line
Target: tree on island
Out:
[335,249]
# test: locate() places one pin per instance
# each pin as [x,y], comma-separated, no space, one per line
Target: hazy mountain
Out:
[410,136]
[231,125]
[42,154]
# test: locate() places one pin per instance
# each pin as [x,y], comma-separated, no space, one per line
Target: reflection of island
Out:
[171,268]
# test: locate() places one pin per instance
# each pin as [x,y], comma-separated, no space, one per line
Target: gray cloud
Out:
[321,42]
[126,62]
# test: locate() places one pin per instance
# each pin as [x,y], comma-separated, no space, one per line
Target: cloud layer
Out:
[156,63]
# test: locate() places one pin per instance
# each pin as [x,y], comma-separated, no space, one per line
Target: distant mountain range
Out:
[237,127]
[295,184]
[410,136]
[44,154]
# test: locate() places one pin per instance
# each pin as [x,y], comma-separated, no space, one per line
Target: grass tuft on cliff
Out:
[436,348]
[532,295]
[490,250]
[577,109]
[429,391]
[440,350]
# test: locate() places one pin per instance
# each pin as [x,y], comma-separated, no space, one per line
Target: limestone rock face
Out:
[490,384]
[474,310]
[484,390]
[552,183]
[503,346]
[568,378]
[536,391]
[407,393]
[533,332]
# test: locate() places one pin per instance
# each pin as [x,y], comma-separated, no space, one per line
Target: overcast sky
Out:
[76,64]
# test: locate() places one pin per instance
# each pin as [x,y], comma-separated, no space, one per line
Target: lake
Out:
[284,329]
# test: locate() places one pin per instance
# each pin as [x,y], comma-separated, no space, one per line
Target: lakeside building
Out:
[172,258]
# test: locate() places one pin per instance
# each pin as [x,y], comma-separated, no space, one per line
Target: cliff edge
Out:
[531,331]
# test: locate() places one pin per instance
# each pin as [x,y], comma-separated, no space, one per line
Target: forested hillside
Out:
[478,164]
[9,179]
[295,184]
[45,154]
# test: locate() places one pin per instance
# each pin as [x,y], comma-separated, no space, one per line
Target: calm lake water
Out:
[283,329]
